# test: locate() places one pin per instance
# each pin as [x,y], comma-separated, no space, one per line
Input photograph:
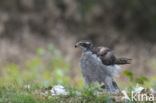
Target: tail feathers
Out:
[123,61]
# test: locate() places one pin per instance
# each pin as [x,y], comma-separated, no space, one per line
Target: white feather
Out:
[113,69]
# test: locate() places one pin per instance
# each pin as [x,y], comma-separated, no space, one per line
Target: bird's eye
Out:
[81,44]
[85,44]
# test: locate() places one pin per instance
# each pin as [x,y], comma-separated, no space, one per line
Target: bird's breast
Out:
[89,60]
[92,66]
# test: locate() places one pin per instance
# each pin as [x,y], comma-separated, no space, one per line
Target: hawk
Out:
[99,64]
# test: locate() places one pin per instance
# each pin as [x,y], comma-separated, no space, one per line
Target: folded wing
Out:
[108,58]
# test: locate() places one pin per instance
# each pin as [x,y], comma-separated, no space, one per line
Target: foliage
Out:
[47,69]
[28,83]
[86,5]
[129,74]
[141,81]
[23,95]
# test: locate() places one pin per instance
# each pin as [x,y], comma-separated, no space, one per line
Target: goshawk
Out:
[99,64]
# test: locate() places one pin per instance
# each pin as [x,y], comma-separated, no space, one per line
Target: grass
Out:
[47,70]
[37,94]
[16,94]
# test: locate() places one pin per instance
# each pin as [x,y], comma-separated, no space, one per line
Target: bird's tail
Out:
[121,61]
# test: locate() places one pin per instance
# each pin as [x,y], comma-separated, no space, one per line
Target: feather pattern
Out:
[107,56]
[93,70]
[99,64]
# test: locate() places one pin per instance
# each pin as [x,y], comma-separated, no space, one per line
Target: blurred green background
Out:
[37,39]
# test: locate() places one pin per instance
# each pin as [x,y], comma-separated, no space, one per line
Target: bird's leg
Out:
[111,85]
[116,86]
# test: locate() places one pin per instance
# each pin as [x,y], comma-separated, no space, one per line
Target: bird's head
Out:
[84,45]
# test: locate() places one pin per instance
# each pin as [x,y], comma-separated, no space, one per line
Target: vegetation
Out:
[34,95]
[26,24]
[28,84]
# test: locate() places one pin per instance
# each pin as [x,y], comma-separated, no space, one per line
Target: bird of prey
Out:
[100,65]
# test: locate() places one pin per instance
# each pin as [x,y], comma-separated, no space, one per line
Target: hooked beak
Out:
[76,45]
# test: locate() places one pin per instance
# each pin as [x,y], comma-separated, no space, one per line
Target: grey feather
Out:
[99,64]
[93,70]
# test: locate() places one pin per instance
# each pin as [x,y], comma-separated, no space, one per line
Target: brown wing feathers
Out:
[108,58]
[123,61]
